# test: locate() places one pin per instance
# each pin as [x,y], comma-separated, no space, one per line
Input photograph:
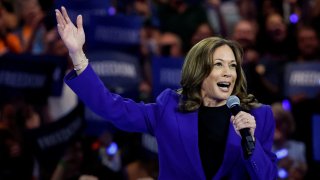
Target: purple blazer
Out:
[177,133]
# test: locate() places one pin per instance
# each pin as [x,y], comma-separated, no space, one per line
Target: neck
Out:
[208,102]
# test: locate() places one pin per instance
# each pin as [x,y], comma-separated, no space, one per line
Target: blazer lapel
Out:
[188,128]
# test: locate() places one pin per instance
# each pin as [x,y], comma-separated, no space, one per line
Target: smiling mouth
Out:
[224,85]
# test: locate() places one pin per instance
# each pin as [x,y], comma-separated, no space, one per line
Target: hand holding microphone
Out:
[244,124]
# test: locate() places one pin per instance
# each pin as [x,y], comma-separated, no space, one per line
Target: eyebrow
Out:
[218,59]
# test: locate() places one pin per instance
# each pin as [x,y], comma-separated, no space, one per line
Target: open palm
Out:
[72,36]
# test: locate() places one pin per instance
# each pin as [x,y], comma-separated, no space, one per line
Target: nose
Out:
[227,71]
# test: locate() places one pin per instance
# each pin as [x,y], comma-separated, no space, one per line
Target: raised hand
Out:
[72,36]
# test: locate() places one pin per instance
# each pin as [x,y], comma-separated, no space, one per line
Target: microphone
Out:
[247,142]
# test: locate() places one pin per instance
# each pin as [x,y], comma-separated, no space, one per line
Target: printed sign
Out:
[34,77]
[302,78]
[316,137]
[166,72]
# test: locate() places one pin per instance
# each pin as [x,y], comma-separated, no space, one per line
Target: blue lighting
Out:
[294,18]
[112,11]
[286,105]
[282,173]
[281,153]
[112,149]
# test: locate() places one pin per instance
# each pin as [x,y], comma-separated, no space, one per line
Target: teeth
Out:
[223,84]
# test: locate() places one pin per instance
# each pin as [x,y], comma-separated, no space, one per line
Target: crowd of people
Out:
[272,34]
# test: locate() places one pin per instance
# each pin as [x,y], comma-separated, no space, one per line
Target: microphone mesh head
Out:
[232,101]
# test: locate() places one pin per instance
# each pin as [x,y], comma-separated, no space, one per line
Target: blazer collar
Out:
[188,128]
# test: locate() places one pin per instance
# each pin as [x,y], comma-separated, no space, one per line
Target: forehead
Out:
[306,32]
[223,52]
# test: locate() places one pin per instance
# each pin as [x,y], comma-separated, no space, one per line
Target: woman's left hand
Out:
[244,120]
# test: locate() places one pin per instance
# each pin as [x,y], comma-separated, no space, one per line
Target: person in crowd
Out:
[15,154]
[32,29]
[204,30]
[9,22]
[291,153]
[308,44]
[223,15]
[170,45]
[182,18]
[197,136]
[245,33]
[274,46]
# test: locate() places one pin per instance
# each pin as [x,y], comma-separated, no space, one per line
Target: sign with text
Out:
[34,77]
[302,78]
[166,73]
[84,7]
[117,32]
[120,72]
[50,141]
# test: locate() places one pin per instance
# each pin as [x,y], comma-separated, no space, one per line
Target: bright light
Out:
[294,18]
[112,11]
[282,173]
[286,105]
[281,153]
[112,149]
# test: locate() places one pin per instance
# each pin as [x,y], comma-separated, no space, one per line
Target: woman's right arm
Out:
[73,37]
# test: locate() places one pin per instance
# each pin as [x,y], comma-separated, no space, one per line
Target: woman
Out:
[192,126]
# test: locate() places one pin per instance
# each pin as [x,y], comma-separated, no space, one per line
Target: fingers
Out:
[62,17]
[243,120]
[65,15]
[61,21]
[79,22]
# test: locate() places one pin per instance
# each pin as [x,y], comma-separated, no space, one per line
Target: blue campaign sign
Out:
[166,73]
[34,77]
[302,78]
[316,137]
[50,141]
[85,8]
[118,32]
[119,71]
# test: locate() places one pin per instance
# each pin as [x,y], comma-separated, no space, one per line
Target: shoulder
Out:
[263,112]
[262,108]
[168,95]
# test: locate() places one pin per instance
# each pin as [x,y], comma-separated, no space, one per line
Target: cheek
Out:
[235,76]
[208,83]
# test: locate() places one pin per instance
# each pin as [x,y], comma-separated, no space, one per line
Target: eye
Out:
[233,65]
[218,64]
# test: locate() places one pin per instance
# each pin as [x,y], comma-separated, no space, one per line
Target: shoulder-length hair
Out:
[198,65]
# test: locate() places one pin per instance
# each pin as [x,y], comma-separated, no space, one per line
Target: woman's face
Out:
[218,86]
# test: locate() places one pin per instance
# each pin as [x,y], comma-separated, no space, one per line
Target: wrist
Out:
[79,60]
[77,56]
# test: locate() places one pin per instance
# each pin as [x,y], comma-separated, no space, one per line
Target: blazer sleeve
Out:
[263,162]
[124,113]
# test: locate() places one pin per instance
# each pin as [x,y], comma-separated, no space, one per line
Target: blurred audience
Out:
[204,30]
[182,18]
[292,162]
[308,44]
[9,22]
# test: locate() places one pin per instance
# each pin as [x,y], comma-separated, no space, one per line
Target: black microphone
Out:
[247,141]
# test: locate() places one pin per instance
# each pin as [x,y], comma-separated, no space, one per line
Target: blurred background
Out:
[137,47]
